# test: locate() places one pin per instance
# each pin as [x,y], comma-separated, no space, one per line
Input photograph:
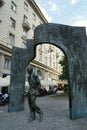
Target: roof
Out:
[37,10]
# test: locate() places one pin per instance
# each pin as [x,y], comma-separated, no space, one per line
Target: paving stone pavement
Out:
[56,116]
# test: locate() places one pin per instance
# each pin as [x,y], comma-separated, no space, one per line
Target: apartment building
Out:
[18,19]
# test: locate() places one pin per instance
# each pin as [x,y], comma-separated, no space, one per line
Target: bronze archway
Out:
[73,42]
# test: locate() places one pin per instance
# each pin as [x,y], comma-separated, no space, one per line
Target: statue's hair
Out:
[30,68]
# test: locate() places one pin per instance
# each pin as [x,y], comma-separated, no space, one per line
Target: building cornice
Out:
[37,10]
[5,50]
[43,66]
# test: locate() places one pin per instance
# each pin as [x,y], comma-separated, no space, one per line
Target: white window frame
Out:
[23,45]
[26,6]
[7,63]
[34,17]
[33,27]
[12,23]
[11,39]
[13,7]
[25,18]
[25,32]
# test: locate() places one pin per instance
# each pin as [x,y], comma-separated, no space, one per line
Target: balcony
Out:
[50,49]
[26,25]
[57,55]
[0,20]
[2,3]
[40,51]
[24,37]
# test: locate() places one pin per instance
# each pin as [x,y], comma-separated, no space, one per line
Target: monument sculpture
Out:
[73,42]
[33,92]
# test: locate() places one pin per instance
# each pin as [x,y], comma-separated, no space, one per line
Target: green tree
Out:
[64,75]
[39,72]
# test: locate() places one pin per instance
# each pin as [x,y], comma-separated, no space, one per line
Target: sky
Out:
[67,12]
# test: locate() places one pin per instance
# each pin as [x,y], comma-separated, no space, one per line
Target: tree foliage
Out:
[64,75]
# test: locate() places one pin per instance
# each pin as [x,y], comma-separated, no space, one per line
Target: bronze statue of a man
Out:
[33,92]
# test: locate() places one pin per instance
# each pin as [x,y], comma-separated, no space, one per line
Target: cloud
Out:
[78,18]
[74,1]
[49,18]
[54,7]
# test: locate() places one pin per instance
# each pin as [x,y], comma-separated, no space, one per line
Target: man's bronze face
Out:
[29,69]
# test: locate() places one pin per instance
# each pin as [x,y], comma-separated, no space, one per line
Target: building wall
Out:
[34,18]
[1,63]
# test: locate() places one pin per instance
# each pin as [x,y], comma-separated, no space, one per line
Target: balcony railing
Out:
[5,44]
[2,3]
[40,50]
[50,49]
[26,25]
[57,55]
[24,37]
[0,20]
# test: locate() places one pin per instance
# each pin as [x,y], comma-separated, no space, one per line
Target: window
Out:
[33,27]
[7,63]
[2,3]
[25,18]
[24,45]
[53,65]
[34,17]
[40,57]
[12,22]
[12,39]
[13,6]
[0,20]
[26,6]
[25,32]
[40,23]
[50,62]
[45,60]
